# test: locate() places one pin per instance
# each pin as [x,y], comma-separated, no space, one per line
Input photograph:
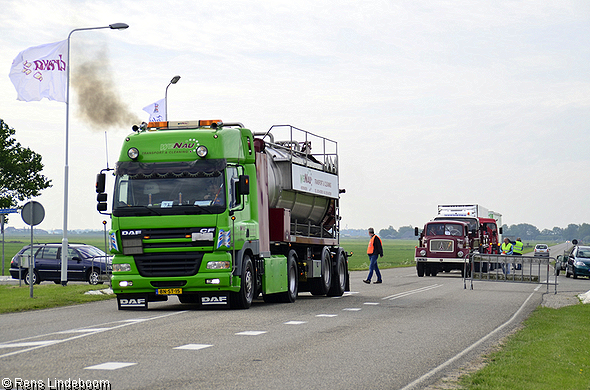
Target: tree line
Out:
[525,231]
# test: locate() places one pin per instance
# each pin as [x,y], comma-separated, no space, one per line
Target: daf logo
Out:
[130,232]
[214,300]
[132,302]
[207,230]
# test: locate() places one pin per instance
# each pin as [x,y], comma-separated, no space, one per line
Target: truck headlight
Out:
[218,265]
[460,254]
[423,252]
[121,267]
[202,151]
[133,153]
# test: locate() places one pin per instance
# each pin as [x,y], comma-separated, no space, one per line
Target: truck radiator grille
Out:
[442,245]
[168,264]
[165,239]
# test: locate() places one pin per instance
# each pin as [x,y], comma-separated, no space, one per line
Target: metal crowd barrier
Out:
[511,269]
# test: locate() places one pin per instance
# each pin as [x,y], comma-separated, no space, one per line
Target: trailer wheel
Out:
[290,295]
[339,275]
[321,285]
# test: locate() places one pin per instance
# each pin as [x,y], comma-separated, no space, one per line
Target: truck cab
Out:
[443,246]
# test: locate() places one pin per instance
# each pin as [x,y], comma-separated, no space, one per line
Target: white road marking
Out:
[109,366]
[29,344]
[352,309]
[371,303]
[194,346]
[327,315]
[78,336]
[416,291]
[294,322]
[251,333]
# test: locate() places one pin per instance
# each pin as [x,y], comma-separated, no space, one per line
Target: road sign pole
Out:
[2,244]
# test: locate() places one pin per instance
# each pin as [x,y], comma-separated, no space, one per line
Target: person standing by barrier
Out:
[374,250]
[507,249]
[517,249]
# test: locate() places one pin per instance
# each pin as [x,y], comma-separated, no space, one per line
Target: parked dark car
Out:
[578,262]
[85,263]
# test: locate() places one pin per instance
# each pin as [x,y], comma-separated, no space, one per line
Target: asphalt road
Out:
[402,334]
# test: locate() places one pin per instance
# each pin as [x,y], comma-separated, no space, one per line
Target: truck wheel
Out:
[420,270]
[243,298]
[321,285]
[339,275]
[290,295]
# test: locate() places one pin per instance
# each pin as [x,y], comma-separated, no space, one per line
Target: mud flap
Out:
[132,301]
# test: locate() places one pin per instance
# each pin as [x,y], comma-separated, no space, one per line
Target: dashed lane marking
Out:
[109,366]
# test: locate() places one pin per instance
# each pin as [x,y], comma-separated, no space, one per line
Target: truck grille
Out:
[168,264]
[163,239]
[442,245]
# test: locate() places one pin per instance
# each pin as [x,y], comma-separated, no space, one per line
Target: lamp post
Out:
[173,81]
[64,241]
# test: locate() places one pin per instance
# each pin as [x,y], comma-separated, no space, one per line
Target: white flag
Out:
[41,72]
[157,111]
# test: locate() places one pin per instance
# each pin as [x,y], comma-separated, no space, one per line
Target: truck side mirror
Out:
[101,198]
[500,230]
[416,231]
[244,185]
[100,182]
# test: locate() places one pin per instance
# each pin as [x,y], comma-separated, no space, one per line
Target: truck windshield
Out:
[444,229]
[472,222]
[195,187]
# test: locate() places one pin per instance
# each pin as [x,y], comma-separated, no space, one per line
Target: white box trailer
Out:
[469,210]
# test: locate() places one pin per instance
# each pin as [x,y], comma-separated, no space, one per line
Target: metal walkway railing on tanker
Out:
[510,269]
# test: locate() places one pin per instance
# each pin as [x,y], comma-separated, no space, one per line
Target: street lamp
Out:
[64,241]
[173,81]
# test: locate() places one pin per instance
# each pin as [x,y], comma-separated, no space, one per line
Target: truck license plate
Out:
[168,291]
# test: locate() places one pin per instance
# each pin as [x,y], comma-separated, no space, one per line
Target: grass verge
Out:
[550,352]
[16,299]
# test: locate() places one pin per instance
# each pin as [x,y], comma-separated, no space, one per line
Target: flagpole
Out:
[64,241]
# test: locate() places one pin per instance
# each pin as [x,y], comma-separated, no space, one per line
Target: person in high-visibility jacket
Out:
[507,249]
[517,249]
[374,250]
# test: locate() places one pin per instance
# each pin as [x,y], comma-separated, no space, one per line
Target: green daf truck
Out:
[217,215]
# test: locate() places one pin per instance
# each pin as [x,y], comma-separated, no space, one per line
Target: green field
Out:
[396,253]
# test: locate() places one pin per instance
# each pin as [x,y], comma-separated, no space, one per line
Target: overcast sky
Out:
[431,102]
